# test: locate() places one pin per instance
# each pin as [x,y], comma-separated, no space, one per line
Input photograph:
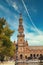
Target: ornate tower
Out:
[23,51]
[20,40]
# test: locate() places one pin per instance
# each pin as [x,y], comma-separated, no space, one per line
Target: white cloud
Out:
[30,17]
[34,39]
[32,28]
[15,6]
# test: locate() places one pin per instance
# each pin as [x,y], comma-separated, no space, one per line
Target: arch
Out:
[34,55]
[40,55]
[21,56]
[37,55]
[30,55]
[25,57]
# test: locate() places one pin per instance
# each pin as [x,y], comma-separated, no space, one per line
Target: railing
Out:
[27,61]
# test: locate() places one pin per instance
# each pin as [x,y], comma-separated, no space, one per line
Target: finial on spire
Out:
[20,15]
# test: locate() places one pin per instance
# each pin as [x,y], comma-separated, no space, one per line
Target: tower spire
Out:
[20,14]
[20,29]
[20,19]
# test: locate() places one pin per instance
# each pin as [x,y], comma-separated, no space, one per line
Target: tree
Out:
[6,46]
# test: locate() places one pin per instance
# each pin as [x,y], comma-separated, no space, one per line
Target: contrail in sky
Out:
[30,17]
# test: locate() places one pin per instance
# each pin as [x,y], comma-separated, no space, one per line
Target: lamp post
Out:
[16,54]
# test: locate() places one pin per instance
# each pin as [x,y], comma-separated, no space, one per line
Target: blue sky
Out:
[32,13]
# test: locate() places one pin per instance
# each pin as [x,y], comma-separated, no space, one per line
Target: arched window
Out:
[40,55]
[21,56]
[25,57]
[37,55]
[34,55]
[30,55]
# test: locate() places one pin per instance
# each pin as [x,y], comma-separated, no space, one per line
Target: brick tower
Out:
[20,40]
[23,51]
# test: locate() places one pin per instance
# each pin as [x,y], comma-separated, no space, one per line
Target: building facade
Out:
[23,49]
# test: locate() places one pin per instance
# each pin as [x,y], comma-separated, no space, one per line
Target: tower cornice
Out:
[21,35]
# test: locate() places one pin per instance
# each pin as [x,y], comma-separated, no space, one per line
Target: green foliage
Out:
[6,46]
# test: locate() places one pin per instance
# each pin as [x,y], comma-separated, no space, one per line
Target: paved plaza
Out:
[7,63]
